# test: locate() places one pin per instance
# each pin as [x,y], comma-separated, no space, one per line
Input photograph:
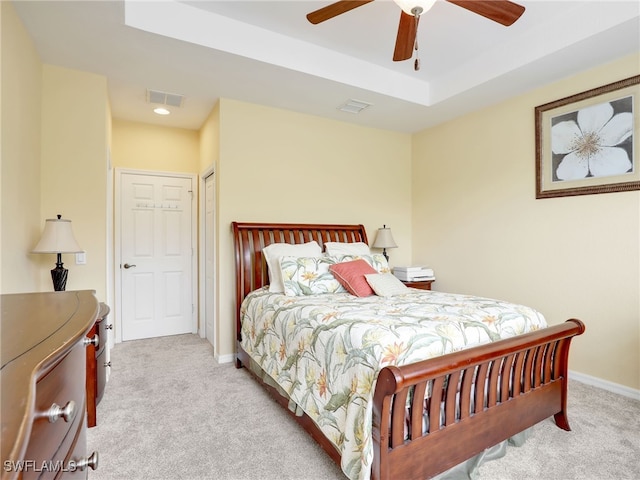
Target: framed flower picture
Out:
[588,143]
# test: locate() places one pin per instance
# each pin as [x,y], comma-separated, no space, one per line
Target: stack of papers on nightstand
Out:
[414,274]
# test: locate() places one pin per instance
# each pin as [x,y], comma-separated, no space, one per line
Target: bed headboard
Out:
[251,238]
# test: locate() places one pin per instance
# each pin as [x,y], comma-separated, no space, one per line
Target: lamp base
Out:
[59,276]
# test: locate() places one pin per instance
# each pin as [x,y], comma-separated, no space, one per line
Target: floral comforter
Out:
[326,350]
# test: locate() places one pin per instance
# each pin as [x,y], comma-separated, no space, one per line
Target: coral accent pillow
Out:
[351,276]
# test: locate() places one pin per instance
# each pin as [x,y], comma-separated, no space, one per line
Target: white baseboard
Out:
[228,358]
[605,385]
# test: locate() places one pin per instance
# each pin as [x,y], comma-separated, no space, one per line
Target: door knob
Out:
[126,265]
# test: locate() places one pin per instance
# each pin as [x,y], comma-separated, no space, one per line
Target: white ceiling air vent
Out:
[164,98]
[353,106]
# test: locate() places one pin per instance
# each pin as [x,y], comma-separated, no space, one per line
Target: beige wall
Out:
[477,222]
[279,166]
[21,102]
[143,146]
[54,149]
[210,141]
[74,169]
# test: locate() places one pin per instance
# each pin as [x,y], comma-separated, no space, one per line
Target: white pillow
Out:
[340,248]
[274,252]
[386,284]
[376,260]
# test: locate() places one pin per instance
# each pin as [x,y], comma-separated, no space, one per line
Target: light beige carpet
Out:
[171,412]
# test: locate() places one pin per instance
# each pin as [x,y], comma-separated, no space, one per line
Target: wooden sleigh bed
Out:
[477,397]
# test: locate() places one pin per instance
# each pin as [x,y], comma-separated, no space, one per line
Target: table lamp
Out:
[58,238]
[384,240]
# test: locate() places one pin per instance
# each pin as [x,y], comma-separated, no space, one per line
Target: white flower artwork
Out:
[595,141]
[586,143]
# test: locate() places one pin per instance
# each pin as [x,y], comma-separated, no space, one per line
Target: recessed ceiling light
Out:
[161,111]
[353,106]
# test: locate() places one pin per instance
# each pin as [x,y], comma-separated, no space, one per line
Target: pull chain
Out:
[416,63]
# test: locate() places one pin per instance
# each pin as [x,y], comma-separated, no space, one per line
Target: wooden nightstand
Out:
[422,285]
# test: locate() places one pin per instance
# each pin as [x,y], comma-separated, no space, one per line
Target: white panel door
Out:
[156,256]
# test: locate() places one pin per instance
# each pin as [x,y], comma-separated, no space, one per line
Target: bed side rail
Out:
[450,408]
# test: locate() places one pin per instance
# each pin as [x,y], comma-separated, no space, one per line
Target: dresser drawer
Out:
[103,326]
[101,374]
[62,383]
[72,449]
[75,446]
[91,353]
[96,359]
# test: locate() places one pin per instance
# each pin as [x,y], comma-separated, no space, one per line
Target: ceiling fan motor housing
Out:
[504,12]
[415,7]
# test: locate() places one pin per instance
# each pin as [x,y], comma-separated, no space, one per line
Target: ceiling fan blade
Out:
[501,11]
[406,38]
[334,10]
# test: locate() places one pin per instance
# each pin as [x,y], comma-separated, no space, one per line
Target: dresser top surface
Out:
[29,319]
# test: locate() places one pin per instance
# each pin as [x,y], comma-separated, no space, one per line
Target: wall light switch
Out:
[81,258]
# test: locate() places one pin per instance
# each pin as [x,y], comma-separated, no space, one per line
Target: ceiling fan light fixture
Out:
[415,7]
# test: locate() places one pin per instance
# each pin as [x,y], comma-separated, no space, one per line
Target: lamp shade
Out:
[384,239]
[57,237]
[408,6]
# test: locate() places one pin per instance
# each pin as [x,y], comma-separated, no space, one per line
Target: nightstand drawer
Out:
[422,285]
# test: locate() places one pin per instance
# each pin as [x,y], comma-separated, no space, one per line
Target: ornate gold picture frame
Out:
[588,143]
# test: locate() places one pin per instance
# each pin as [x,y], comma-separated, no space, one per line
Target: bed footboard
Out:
[432,415]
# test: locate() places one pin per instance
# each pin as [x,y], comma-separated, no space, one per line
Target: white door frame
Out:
[118,253]
[202,258]
[109,262]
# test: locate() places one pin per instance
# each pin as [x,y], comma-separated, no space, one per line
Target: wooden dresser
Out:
[43,384]
[96,363]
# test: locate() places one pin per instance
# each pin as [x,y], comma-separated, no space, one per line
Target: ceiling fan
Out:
[501,11]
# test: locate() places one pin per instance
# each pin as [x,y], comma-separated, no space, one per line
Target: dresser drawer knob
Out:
[95,341]
[107,364]
[92,462]
[109,327]
[56,411]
